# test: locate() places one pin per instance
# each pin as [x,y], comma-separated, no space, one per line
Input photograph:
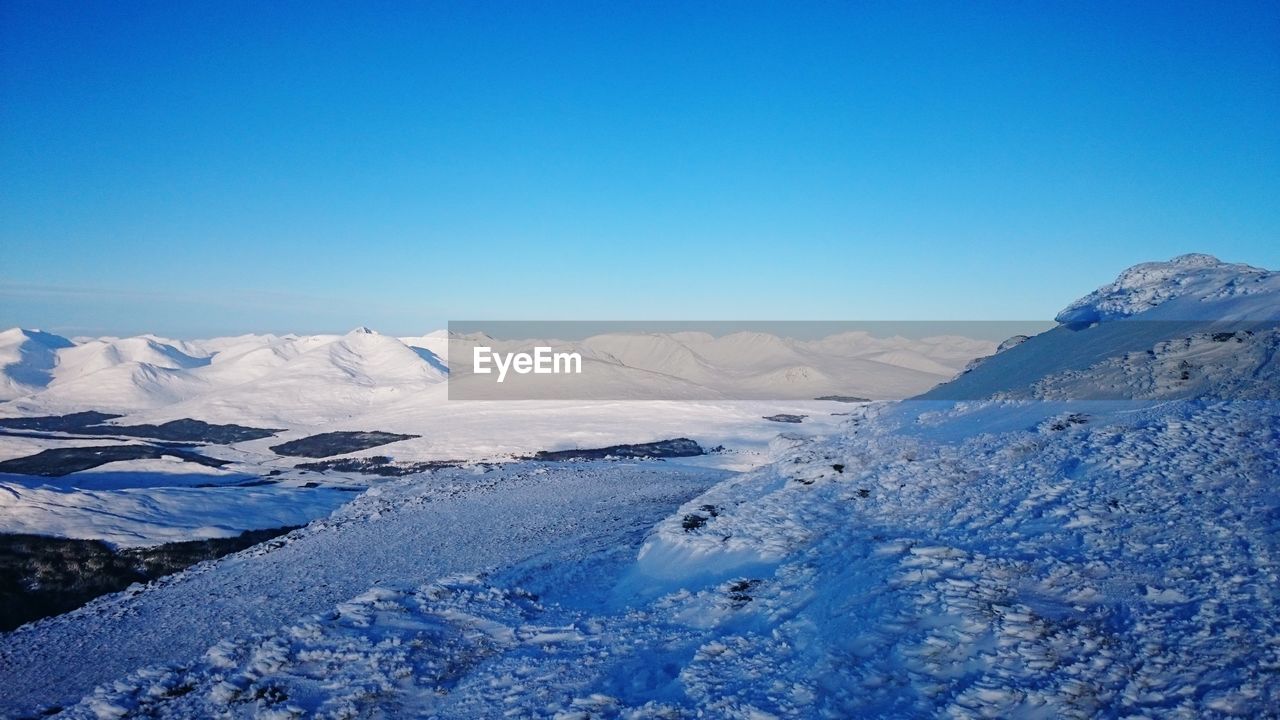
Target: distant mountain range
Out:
[309,380]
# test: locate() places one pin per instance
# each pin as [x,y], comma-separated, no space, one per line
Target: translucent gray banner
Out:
[714,360]
[853,361]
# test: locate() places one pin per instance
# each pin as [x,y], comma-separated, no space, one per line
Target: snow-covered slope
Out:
[1020,550]
[1026,552]
[142,516]
[298,380]
[655,352]
[27,360]
[1203,287]
[309,383]
[1190,297]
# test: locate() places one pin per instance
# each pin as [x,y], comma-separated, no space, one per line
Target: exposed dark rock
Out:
[45,576]
[843,398]
[693,521]
[678,447]
[380,465]
[1068,421]
[838,467]
[189,430]
[739,591]
[785,418]
[257,482]
[336,443]
[1011,343]
[56,462]
[92,423]
[73,422]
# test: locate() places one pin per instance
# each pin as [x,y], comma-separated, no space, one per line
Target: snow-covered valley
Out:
[248,396]
[1083,524]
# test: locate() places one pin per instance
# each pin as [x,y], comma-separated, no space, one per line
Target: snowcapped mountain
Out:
[302,380]
[124,373]
[737,366]
[436,343]
[1192,298]
[310,380]
[1066,540]
[1083,524]
[27,360]
[665,354]
[1188,287]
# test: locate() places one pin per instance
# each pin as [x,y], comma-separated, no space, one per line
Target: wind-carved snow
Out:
[1027,552]
[1223,364]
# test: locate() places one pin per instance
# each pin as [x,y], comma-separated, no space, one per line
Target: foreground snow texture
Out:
[1025,554]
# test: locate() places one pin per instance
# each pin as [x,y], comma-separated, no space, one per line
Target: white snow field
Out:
[145,502]
[1082,525]
[361,381]
[552,522]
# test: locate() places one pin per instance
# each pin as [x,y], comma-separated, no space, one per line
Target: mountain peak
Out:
[1193,260]
[47,339]
[1147,285]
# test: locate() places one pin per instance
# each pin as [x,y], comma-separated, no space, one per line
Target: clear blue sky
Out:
[214,167]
